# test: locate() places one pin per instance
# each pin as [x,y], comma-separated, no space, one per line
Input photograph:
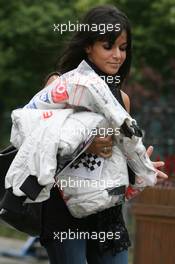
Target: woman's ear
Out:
[88,50]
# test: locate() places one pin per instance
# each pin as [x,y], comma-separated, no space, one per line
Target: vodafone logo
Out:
[59,93]
[60,89]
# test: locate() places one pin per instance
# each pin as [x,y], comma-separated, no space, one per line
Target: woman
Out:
[108,53]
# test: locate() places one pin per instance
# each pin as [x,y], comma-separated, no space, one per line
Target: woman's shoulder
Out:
[51,77]
[126,101]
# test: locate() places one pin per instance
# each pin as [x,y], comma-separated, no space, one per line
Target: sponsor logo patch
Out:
[59,93]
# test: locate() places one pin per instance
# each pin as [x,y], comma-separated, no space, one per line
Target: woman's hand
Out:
[161,176]
[101,146]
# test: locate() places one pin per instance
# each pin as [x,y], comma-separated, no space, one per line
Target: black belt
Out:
[117,190]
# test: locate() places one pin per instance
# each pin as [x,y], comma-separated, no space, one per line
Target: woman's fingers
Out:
[101,146]
[104,141]
[158,164]
[105,146]
[149,150]
[105,155]
[161,176]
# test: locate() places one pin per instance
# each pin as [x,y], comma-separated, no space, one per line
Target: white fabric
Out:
[37,154]
[87,195]
[39,135]
[103,101]
[39,140]
[83,87]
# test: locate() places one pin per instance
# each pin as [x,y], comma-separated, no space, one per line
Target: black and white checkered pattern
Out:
[88,160]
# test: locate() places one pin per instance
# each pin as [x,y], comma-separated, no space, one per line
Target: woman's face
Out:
[108,59]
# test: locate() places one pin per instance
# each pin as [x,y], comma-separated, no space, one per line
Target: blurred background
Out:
[30,50]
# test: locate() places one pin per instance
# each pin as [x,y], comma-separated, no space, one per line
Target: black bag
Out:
[25,217]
